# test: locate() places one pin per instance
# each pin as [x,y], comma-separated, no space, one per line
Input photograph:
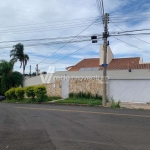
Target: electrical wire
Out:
[68,42]
[43,39]
[52,43]
[58,22]
[130,35]
[51,29]
[132,45]
[66,56]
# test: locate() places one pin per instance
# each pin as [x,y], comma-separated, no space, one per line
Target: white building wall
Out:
[129,90]
[112,74]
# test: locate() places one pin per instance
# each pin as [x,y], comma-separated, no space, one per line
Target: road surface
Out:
[56,127]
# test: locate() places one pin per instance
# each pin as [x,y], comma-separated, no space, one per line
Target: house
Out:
[128,78]
[92,64]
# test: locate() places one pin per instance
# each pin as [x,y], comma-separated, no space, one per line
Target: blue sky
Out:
[22,20]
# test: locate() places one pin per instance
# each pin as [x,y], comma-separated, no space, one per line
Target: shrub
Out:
[115,105]
[85,95]
[7,94]
[10,94]
[71,95]
[40,92]
[30,91]
[88,95]
[19,93]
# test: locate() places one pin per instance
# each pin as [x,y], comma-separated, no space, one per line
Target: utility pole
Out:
[37,70]
[105,35]
[30,71]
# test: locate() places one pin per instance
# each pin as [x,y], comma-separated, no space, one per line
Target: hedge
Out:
[10,94]
[19,93]
[40,92]
[30,91]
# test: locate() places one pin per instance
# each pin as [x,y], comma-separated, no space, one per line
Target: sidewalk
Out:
[135,105]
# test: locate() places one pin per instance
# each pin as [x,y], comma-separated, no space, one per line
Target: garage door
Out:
[129,90]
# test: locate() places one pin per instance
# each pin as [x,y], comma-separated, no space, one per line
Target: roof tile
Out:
[115,64]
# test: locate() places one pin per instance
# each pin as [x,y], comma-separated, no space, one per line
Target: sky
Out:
[38,19]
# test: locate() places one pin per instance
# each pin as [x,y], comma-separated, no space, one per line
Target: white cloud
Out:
[47,15]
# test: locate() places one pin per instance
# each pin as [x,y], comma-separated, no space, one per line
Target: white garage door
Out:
[129,90]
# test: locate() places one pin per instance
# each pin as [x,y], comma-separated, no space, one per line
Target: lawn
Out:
[90,102]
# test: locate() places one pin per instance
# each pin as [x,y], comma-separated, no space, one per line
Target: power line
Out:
[49,25]
[51,29]
[130,21]
[69,41]
[43,39]
[134,30]
[67,55]
[48,22]
[52,43]
[130,35]
[132,45]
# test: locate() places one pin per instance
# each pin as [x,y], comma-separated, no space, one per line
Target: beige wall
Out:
[54,89]
[110,55]
[77,85]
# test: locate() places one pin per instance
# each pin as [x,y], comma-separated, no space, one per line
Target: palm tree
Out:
[18,54]
[24,61]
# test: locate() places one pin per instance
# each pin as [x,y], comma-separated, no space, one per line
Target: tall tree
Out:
[17,53]
[6,69]
[8,78]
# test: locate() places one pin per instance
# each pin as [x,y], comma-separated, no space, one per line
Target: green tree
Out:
[8,78]
[6,69]
[17,53]
[17,79]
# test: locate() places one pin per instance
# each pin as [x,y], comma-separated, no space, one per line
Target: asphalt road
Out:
[50,127]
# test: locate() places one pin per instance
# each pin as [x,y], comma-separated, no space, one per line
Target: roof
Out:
[115,64]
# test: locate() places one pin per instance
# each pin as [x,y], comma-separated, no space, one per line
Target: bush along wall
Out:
[30,92]
[10,94]
[19,92]
[40,92]
[87,95]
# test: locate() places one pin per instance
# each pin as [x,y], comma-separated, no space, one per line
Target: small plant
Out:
[88,95]
[40,93]
[71,95]
[19,93]
[30,92]
[114,104]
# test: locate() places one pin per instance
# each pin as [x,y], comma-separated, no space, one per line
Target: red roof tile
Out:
[115,64]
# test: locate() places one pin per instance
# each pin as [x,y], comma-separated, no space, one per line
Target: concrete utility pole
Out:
[30,71]
[37,70]
[105,35]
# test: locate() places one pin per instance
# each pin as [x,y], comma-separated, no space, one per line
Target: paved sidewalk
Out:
[135,105]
